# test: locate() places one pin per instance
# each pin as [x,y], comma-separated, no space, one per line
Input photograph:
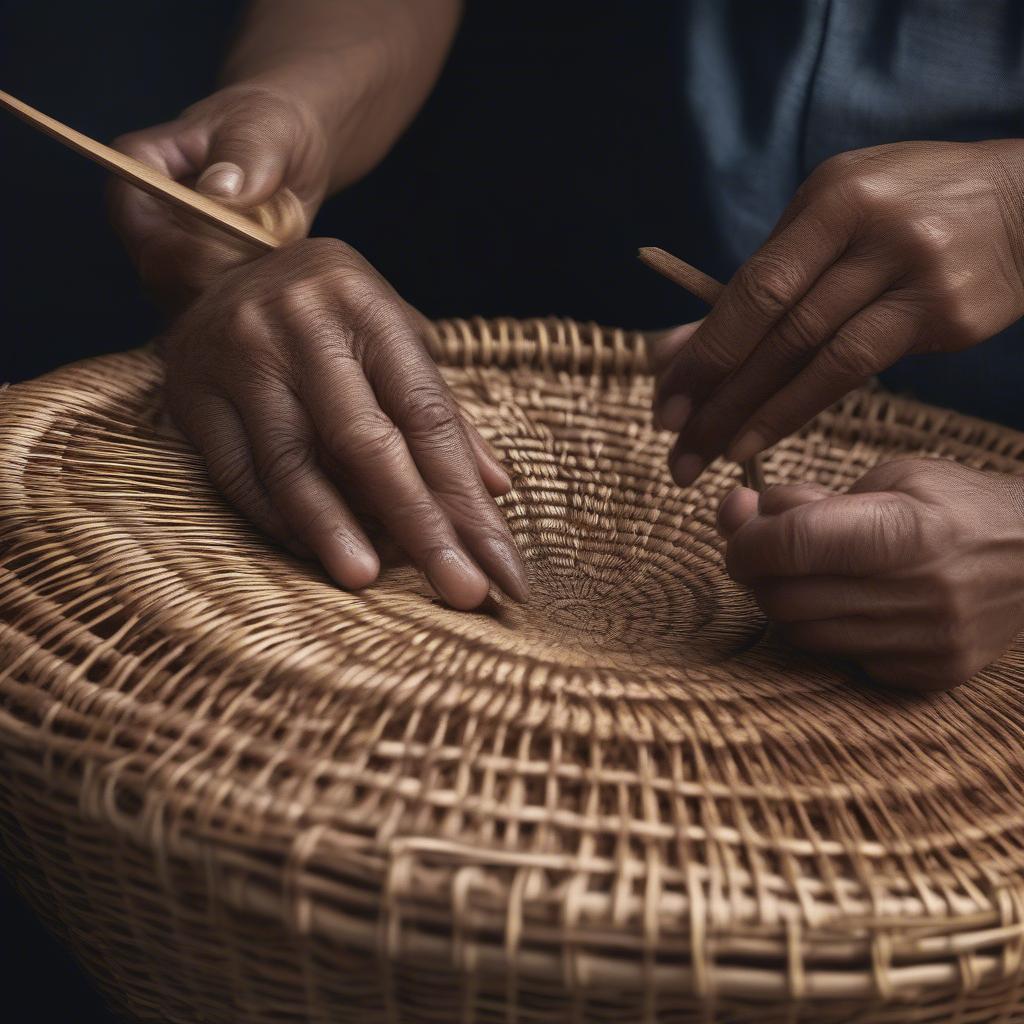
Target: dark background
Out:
[554,145]
[552,148]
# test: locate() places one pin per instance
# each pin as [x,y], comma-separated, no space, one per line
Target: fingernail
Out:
[674,412]
[687,468]
[456,579]
[221,179]
[511,573]
[747,446]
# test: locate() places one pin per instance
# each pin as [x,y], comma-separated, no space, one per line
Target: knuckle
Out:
[894,532]
[342,534]
[852,356]
[284,462]
[268,123]
[300,301]
[368,434]
[472,508]
[929,237]
[712,351]
[766,287]
[374,315]
[907,474]
[839,165]
[801,331]
[317,334]
[128,143]
[866,178]
[957,312]
[869,190]
[136,145]
[424,513]
[330,248]
[322,261]
[428,410]
[860,188]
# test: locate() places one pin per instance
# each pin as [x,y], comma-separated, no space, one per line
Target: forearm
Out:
[363,67]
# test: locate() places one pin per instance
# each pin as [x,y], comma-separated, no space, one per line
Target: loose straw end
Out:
[707,289]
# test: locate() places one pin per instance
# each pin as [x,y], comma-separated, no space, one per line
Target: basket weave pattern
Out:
[242,794]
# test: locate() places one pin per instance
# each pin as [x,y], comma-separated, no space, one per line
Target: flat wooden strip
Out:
[144,176]
[707,289]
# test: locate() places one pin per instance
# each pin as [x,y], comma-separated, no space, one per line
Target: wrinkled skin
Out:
[916,574]
[304,381]
[302,378]
[906,248]
[240,146]
[300,375]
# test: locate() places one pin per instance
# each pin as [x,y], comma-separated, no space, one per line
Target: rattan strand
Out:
[242,794]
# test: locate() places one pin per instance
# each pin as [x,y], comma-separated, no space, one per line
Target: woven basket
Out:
[242,794]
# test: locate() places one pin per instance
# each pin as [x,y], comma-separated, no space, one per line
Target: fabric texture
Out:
[776,88]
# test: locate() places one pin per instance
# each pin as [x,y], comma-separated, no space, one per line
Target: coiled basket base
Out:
[243,795]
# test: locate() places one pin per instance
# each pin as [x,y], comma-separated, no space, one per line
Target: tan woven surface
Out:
[242,794]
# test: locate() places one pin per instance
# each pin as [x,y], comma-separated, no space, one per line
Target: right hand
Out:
[303,380]
[915,574]
[901,249]
[240,146]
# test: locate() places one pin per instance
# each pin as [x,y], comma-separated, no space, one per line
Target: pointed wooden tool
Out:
[707,289]
[268,226]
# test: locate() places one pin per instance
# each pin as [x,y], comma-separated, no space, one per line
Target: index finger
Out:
[414,395]
[761,292]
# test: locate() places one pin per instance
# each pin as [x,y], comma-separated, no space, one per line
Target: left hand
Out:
[916,574]
[906,248]
[306,383]
[240,146]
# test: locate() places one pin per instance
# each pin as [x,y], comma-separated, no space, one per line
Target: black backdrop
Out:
[552,148]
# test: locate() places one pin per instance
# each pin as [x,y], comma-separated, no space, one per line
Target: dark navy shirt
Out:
[774,88]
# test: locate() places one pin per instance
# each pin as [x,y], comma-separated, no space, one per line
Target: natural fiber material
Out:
[242,794]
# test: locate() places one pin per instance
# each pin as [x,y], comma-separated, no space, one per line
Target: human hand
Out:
[907,248]
[303,380]
[243,146]
[917,574]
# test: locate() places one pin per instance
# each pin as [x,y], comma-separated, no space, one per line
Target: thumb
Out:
[737,508]
[783,497]
[247,160]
